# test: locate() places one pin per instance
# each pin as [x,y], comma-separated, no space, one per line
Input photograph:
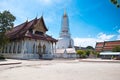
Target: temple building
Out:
[65,44]
[105,49]
[30,41]
[106,45]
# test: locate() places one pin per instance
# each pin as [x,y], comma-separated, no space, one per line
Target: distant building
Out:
[83,48]
[106,45]
[76,47]
[65,44]
[30,41]
[105,49]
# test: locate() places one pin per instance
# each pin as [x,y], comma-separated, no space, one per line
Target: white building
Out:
[30,41]
[65,44]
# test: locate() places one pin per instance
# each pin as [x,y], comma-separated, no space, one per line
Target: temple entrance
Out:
[39,51]
[44,49]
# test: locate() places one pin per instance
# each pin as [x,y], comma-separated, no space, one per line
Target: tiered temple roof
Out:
[107,45]
[23,31]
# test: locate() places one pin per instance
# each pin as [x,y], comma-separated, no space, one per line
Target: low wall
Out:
[68,55]
[21,56]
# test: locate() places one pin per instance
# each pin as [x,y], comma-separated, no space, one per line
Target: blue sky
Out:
[90,21]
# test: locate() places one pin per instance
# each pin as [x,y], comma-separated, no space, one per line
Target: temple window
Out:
[30,30]
[44,49]
[38,32]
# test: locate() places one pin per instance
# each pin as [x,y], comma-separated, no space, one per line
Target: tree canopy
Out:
[115,2]
[6,23]
[116,49]
[90,47]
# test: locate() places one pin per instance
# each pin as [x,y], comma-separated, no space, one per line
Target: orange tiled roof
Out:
[107,45]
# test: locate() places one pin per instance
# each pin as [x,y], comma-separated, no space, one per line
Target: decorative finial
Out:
[36,15]
[42,14]
[27,19]
[64,11]
[65,14]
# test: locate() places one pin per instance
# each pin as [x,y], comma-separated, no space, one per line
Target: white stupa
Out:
[65,44]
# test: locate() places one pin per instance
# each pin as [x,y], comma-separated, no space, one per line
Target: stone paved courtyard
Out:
[60,70]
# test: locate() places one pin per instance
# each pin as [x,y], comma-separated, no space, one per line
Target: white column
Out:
[25,49]
[22,47]
[27,45]
[55,47]
[51,47]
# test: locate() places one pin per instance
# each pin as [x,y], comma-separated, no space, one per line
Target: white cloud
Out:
[118,37]
[84,42]
[104,37]
[119,31]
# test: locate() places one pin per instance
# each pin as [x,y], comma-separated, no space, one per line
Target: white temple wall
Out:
[24,49]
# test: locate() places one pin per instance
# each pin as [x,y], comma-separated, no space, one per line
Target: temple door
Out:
[39,51]
[44,49]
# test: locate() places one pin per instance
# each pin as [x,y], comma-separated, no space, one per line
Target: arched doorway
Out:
[39,51]
[44,49]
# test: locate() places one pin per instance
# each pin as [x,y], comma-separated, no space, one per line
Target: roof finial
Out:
[64,11]
[36,15]
[27,19]
[42,14]
[65,14]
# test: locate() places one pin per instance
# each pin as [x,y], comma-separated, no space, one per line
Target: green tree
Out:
[87,52]
[81,53]
[115,2]
[90,48]
[116,49]
[6,23]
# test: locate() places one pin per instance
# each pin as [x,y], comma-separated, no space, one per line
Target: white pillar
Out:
[55,47]
[51,47]
[25,49]
[22,47]
[34,47]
